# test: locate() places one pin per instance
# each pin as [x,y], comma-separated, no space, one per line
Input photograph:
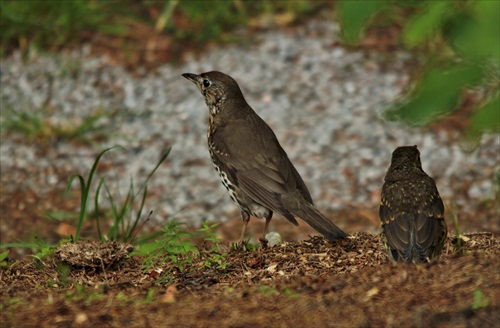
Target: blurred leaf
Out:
[355,16]
[437,94]
[486,118]
[207,19]
[423,25]
[480,300]
[166,15]
[3,255]
[470,28]
[50,23]
[478,34]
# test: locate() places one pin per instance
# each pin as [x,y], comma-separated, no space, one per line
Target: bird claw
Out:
[242,244]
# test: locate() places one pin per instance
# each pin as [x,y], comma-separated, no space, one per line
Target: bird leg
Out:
[263,240]
[245,217]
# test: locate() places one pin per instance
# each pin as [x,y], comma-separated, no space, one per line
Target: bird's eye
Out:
[206,83]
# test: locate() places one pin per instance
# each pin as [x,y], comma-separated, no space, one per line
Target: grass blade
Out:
[85,189]
[96,207]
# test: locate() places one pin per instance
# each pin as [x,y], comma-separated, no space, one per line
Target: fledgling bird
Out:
[253,167]
[411,211]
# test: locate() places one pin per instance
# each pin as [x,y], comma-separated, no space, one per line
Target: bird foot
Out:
[241,245]
[264,243]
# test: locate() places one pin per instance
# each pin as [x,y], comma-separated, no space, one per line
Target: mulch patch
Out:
[312,283]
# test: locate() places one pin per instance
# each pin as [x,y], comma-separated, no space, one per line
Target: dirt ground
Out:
[308,283]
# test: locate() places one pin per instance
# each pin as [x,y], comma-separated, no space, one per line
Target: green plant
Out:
[246,247]
[463,53]
[52,24]
[122,297]
[172,249]
[214,256]
[61,215]
[28,123]
[41,247]
[268,291]
[85,190]
[79,293]
[126,229]
[479,300]
[290,293]
[121,226]
[3,260]
[33,125]
[355,17]
[44,252]
[44,249]
[62,273]
[150,295]
[459,238]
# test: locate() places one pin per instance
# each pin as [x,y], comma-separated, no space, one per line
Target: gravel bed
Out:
[322,100]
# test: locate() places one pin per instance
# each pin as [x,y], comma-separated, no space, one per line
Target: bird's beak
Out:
[191,77]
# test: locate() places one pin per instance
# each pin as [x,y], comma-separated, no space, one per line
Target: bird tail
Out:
[319,222]
[401,239]
[415,252]
[415,237]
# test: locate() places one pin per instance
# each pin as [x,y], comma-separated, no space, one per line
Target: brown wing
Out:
[412,217]
[258,163]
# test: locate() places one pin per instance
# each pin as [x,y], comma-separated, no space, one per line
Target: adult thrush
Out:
[411,210]
[252,165]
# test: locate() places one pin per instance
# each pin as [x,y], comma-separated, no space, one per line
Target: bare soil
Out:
[308,283]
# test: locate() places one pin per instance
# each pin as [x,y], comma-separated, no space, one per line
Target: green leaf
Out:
[355,16]
[478,35]
[486,118]
[3,255]
[96,208]
[423,25]
[61,215]
[3,260]
[437,94]
[480,300]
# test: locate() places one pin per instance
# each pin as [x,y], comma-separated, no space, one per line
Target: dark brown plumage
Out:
[252,165]
[411,210]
